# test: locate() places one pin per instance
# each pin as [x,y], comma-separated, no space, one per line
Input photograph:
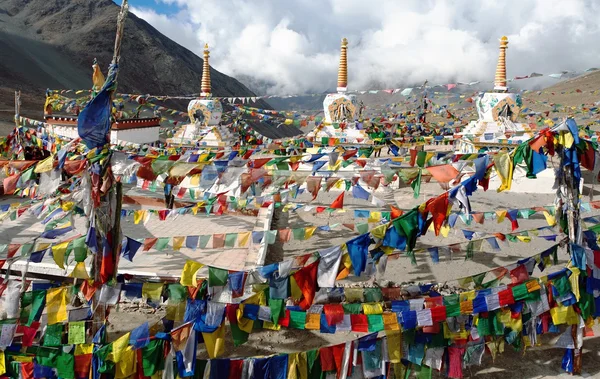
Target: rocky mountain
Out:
[52,43]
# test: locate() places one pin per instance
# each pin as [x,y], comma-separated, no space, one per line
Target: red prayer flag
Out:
[413,157]
[327,359]
[306,278]
[82,365]
[506,297]
[10,184]
[235,368]
[149,242]
[360,323]
[334,313]
[519,274]
[338,203]
[396,212]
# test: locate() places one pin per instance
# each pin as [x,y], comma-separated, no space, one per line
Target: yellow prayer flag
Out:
[244,239]
[390,321]
[215,342]
[297,366]
[176,312]
[469,295]
[312,321]
[84,348]
[295,290]
[243,323]
[504,168]
[551,220]
[56,305]
[501,215]
[58,253]
[271,326]
[394,343]
[118,348]
[346,261]
[505,316]
[45,165]
[574,280]
[79,271]
[525,239]
[379,232]
[67,205]
[564,315]
[195,180]
[2,363]
[127,365]
[308,232]
[22,359]
[374,217]
[152,291]
[178,243]
[188,274]
[138,216]
[372,308]
[444,230]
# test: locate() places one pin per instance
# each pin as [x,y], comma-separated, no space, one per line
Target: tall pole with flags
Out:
[104,232]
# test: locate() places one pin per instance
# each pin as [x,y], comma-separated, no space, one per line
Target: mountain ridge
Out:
[52,44]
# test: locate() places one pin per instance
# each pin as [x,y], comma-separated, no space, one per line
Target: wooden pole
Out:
[17,117]
[572,201]
[107,220]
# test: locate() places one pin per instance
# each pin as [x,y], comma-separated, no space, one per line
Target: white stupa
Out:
[340,109]
[498,111]
[205,113]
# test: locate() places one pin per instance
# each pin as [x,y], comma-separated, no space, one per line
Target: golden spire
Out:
[205,86]
[343,69]
[500,80]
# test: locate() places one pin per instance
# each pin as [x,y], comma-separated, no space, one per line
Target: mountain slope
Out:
[52,43]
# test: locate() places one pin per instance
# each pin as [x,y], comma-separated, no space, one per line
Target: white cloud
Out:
[289,47]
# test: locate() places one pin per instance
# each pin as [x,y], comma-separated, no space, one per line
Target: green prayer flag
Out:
[373,295]
[152,357]
[362,228]
[297,319]
[162,243]
[423,372]
[478,279]
[76,332]
[177,292]
[408,225]
[80,249]
[298,234]
[562,285]
[161,165]
[37,306]
[276,306]
[239,336]
[421,157]
[452,310]
[416,185]
[53,336]
[203,242]
[352,308]
[520,291]
[230,239]
[217,276]
[469,255]
[65,366]
[451,299]
[375,323]
[45,356]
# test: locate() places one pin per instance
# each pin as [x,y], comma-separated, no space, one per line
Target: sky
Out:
[279,47]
